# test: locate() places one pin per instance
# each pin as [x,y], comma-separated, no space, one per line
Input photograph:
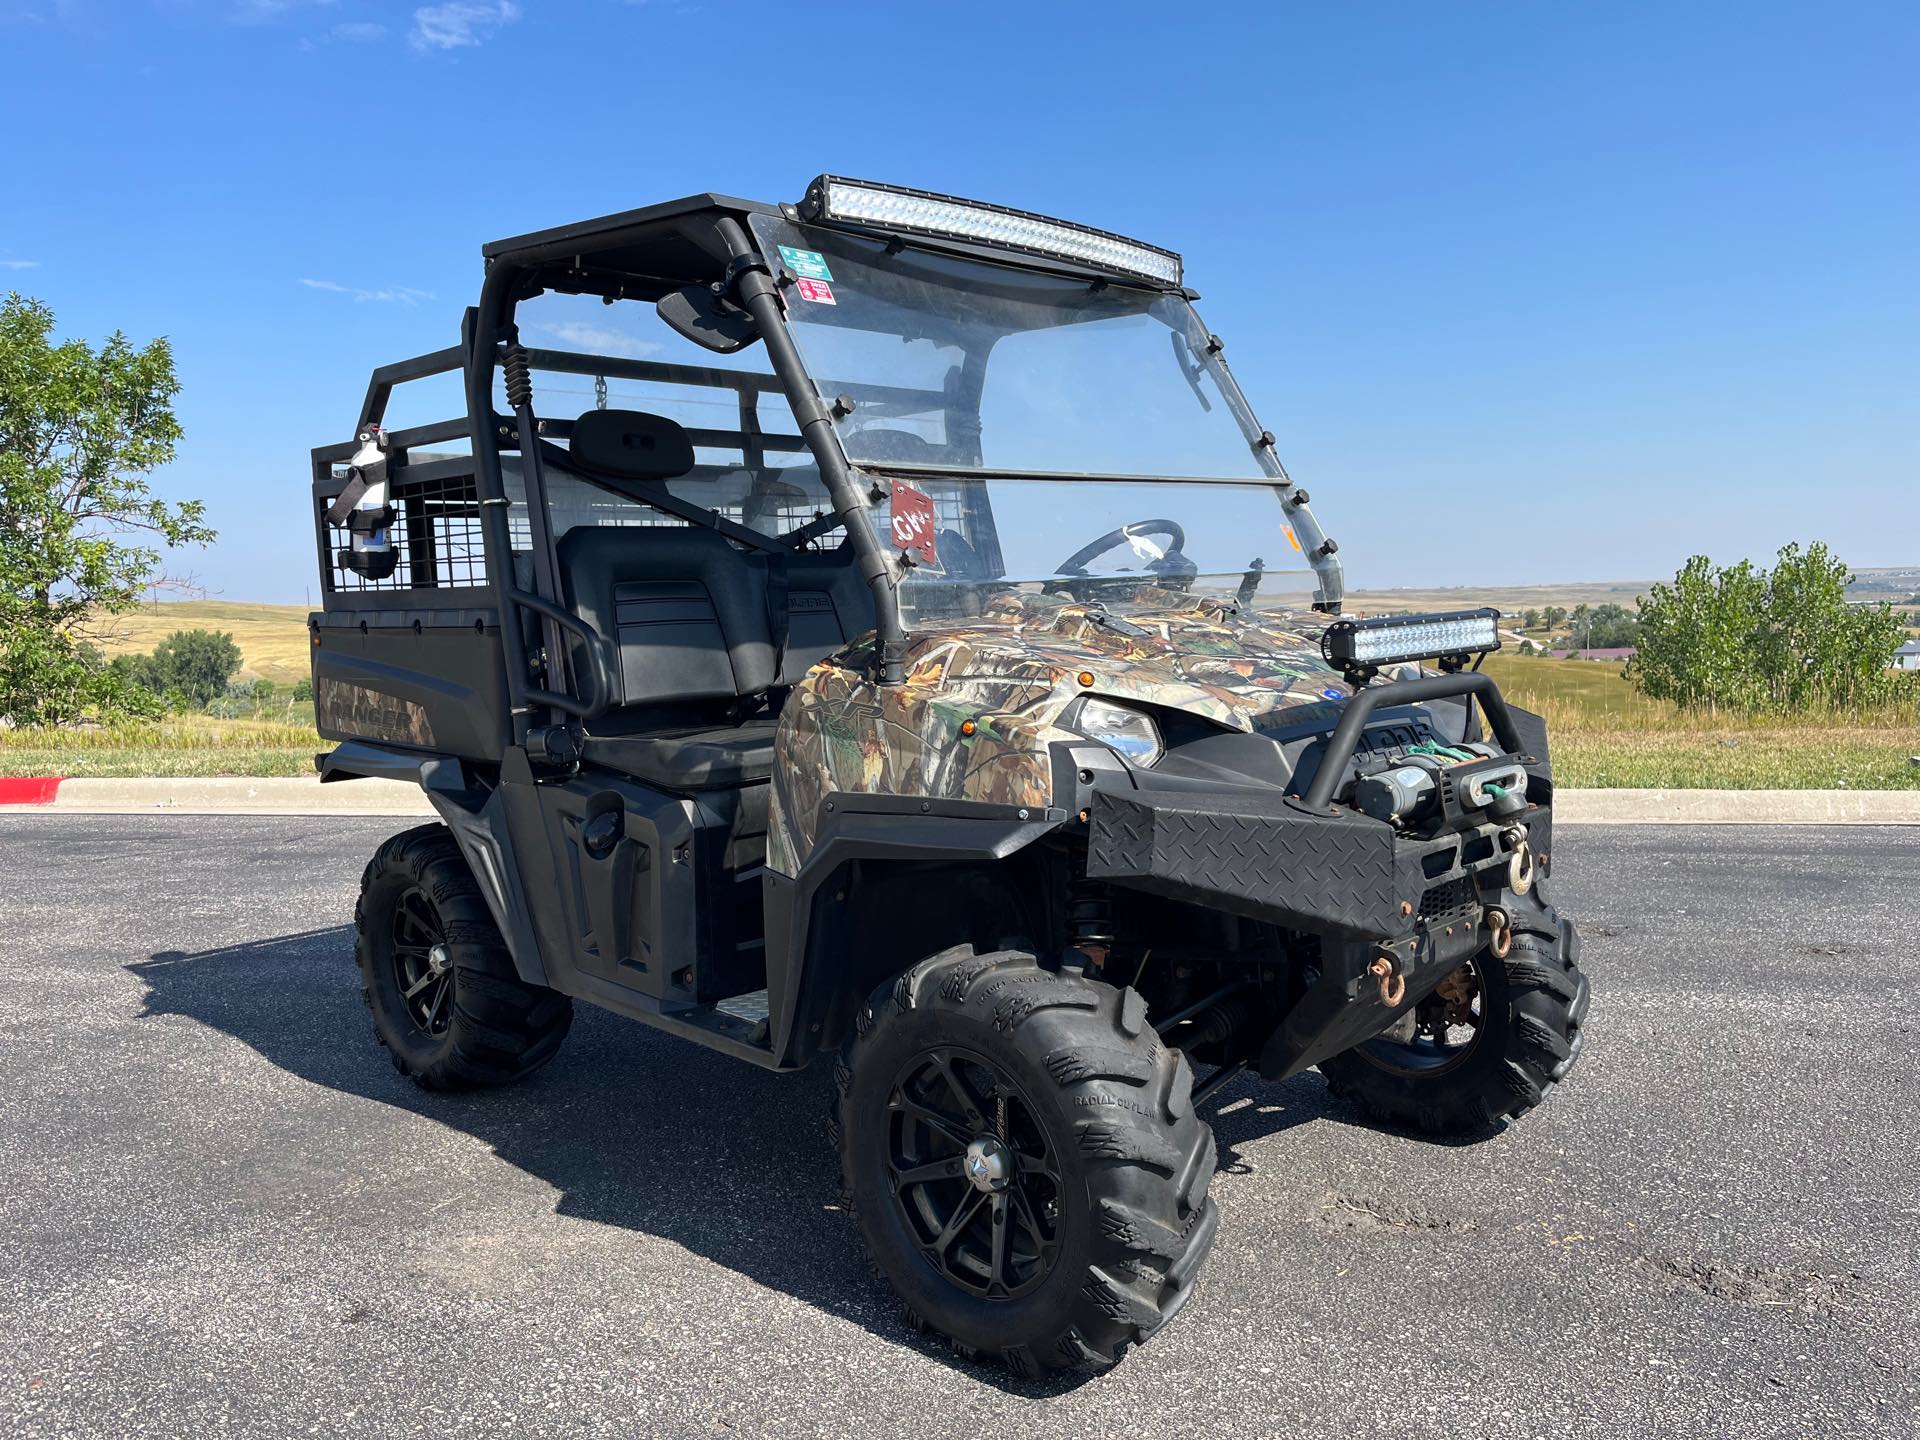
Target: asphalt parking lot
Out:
[223,1213]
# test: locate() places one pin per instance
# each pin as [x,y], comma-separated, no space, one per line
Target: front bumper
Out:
[1371,895]
[1267,856]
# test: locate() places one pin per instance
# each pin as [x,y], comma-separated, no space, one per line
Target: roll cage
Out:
[455,511]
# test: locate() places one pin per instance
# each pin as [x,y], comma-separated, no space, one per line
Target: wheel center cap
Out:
[438,960]
[989,1163]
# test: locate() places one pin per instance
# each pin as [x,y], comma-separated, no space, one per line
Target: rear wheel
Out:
[1024,1159]
[437,976]
[1482,1049]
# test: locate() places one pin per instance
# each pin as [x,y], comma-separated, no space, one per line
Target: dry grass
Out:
[192,745]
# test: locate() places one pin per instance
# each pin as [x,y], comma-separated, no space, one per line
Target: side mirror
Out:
[707,320]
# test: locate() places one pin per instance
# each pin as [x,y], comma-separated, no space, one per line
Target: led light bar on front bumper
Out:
[1363,646]
[894,209]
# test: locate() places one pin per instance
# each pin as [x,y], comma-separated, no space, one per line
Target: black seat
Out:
[705,637]
[692,653]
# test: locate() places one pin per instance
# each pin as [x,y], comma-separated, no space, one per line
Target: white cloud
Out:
[597,339]
[458,24]
[358,30]
[19,264]
[392,295]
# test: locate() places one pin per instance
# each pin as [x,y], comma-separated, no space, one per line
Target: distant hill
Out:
[272,638]
[1894,584]
[1508,599]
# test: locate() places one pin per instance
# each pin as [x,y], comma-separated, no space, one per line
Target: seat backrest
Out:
[684,610]
[828,604]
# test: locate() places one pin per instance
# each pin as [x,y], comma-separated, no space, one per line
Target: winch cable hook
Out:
[1520,865]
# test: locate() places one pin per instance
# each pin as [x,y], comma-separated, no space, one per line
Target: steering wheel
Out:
[1164,563]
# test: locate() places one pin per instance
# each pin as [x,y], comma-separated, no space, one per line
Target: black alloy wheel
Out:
[1439,1033]
[422,970]
[973,1174]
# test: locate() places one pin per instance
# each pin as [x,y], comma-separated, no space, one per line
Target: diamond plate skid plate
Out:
[1337,874]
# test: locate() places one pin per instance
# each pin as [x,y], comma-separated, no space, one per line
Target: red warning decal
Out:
[913,521]
[816,290]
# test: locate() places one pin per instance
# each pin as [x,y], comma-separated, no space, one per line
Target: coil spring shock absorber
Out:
[519,383]
[1089,915]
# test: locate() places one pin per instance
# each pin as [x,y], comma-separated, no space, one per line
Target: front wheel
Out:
[1024,1160]
[1482,1049]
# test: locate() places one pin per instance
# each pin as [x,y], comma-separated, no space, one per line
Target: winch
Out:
[1411,784]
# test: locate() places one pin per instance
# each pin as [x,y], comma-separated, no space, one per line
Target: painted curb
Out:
[28,789]
[235,795]
[1737,807]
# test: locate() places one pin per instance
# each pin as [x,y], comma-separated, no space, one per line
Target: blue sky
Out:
[1527,292]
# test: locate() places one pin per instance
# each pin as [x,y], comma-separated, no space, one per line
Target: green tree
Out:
[302,690]
[1610,626]
[1554,616]
[1530,620]
[1749,639]
[80,430]
[1578,622]
[194,663]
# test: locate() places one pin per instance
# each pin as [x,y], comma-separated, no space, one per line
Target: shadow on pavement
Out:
[633,1128]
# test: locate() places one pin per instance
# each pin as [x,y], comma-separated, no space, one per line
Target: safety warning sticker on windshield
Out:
[810,264]
[913,522]
[816,290]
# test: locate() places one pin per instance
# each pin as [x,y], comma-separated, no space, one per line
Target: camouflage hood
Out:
[1246,670]
[984,696]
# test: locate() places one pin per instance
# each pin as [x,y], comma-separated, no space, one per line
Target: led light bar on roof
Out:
[1391,639]
[919,212]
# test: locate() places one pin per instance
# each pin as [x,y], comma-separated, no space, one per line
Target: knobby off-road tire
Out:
[485,1027]
[1532,1006]
[1077,1070]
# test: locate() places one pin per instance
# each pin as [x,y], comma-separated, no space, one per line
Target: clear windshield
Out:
[1132,545]
[963,364]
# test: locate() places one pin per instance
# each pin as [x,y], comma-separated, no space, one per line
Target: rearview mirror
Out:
[707,320]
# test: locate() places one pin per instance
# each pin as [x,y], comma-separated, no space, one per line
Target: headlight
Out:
[1131,732]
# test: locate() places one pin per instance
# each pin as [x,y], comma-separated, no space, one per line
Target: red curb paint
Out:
[29,790]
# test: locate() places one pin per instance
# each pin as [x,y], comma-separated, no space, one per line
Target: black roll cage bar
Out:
[492,335]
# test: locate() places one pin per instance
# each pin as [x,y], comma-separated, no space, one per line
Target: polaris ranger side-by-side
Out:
[935,669]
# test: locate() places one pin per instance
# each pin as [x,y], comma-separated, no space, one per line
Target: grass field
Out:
[1605,733]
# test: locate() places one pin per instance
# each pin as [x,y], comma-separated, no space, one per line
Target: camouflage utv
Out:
[933,667]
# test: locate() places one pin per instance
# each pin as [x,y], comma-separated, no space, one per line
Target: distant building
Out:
[1907,657]
[1599,652]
